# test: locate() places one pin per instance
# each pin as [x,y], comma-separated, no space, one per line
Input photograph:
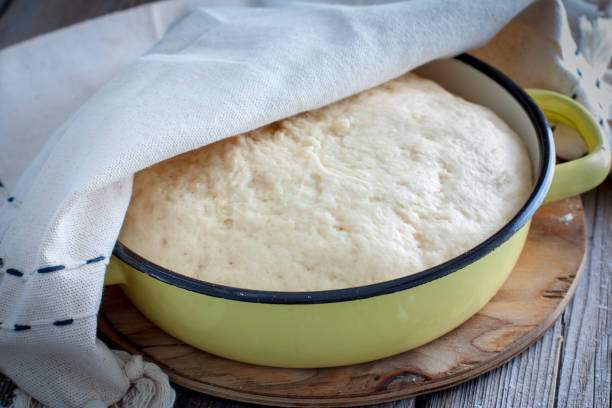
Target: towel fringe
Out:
[21,399]
[149,387]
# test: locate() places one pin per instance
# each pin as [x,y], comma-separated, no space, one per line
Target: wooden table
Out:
[570,366]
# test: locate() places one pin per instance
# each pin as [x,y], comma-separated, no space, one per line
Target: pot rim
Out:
[534,201]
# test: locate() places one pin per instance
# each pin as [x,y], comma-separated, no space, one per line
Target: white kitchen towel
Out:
[217,72]
[537,50]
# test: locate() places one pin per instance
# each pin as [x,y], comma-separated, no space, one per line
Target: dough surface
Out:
[377,186]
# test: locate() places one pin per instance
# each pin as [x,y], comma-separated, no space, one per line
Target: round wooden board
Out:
[532,298]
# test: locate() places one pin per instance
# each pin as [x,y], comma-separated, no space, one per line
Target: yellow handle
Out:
[114,273]
[579,175]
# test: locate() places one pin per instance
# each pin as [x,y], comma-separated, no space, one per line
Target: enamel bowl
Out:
[348,326]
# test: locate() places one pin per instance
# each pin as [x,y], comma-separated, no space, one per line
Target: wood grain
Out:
[527,305]
[26,18]
[553,372]
[586,356]
[528,380]
[543,376]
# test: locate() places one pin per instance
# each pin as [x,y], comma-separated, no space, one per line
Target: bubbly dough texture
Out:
[380,185]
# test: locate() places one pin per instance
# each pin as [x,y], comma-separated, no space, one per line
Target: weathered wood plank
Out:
[526,381]
[405,403]
[582,339]
[192,399]
[524,308]
[6,390]
[585,366]
[24,19]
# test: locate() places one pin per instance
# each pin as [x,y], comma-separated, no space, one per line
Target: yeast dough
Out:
[380,185]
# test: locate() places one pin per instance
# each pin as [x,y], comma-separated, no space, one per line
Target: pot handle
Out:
[587,172]
[114,273]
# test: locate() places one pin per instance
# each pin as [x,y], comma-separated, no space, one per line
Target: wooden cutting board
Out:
[535,294]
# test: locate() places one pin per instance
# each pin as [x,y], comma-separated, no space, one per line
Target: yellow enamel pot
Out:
[347,326]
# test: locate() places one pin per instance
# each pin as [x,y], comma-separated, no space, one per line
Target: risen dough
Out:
[377,186]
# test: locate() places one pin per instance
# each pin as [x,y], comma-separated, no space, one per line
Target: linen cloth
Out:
[215,73]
